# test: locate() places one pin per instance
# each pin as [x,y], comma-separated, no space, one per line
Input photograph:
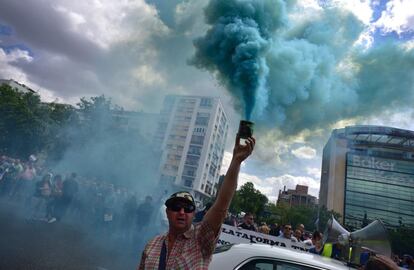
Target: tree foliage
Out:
[249,199]
[26,124]
[89,139]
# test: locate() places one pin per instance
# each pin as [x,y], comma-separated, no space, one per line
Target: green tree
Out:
[24,123]
[249,199]
[324,215]
[64,119]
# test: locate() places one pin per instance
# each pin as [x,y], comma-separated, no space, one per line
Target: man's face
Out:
[316,240]
[180,216]
[248,219]
[298,234]
[287,231]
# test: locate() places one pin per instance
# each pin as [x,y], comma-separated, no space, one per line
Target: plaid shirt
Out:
[192,250]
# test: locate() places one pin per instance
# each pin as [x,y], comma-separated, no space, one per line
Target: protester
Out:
[25,181]
[143,214]
[298,235]
[301,227]
[274,229]
[56,193]
[42,194]
[69,189]
[248,222]
[231,220]
[264,228]
[128,213]
[287,233]
[316,241]
[186,246]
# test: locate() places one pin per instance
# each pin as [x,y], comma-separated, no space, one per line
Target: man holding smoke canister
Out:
[188,246]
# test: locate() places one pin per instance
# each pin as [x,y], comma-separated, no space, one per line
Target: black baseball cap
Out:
[183,196]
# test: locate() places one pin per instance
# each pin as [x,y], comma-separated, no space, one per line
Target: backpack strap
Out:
[163,257]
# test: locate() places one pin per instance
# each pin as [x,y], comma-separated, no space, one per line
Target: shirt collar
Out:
[189,232]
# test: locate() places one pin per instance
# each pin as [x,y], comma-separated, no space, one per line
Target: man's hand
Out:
[241,152]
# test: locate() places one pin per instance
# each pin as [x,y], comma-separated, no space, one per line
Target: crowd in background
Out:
[48,196]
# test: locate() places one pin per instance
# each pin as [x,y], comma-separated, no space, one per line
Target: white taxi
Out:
[265,257]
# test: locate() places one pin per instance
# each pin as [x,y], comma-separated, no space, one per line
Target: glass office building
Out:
[368,174]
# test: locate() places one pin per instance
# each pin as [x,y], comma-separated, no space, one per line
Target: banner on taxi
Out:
[234,235]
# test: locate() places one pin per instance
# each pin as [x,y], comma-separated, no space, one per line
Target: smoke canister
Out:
[245,129]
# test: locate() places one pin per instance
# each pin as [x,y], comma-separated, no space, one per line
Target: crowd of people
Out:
[313,241]
[286,231]
[48,196]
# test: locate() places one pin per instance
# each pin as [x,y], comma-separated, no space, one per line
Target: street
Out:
[37,245]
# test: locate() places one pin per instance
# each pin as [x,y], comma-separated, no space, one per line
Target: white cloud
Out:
[112,22]
[8,70]
[314,172]
[147,76]
[271,146]
[304,152]
[226,162]
[397,17]
[402,119]
[360,8]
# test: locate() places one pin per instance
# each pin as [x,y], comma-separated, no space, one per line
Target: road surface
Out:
[37,245]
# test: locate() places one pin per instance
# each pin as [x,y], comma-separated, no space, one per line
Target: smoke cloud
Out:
[296,69]
[236,44]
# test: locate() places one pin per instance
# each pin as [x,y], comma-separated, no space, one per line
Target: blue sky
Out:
[137,51]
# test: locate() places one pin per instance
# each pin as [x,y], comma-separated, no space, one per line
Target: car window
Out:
[269,264]
[259,264]
[291,267]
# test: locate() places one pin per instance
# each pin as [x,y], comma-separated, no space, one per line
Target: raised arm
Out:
[216,214]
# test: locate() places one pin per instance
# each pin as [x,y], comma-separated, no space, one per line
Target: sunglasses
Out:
[188,208]
[288,228]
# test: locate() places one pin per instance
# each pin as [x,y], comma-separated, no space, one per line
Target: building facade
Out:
[141,123]
[192,133]
[297,197]
[19,86]
[368,173]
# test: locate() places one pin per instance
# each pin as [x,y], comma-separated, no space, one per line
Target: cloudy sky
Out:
[320,65]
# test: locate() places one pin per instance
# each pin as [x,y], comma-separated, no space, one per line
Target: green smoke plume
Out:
[303,73]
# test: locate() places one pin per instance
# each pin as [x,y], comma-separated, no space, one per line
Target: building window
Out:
[212,170]
[202,119]
[192,160]
[206,102]
[194,150]
[197,140]
[188,181]
[189,171]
